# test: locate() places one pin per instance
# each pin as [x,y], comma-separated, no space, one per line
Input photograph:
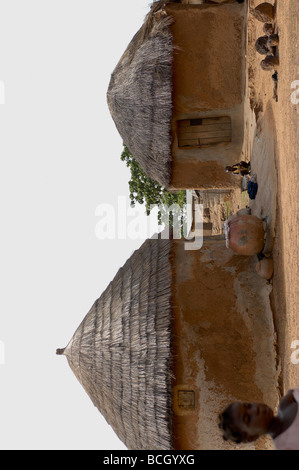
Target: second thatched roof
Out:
[140,95]
[121,353]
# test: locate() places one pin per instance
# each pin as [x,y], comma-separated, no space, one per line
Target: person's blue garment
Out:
[252,189]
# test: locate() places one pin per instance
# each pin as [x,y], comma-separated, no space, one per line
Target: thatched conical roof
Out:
[121,352]
[140,95]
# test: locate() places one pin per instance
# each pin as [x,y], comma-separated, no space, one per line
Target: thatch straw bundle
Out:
[140,95]
[121,352]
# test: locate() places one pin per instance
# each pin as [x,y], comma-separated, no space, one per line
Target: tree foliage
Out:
[144,190]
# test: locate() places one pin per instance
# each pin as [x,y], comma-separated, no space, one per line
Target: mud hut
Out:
[176,336]
[177,94]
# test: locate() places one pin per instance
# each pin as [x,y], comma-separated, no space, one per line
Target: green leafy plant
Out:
[144,190]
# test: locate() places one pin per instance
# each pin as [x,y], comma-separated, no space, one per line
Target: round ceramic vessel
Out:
[265,268]
[246,235]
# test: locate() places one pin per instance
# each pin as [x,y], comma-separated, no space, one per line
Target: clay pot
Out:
[270,62]
[246,235]
[265,268]
[262,46]
[273,40]
[264,12]
[268,28]
[244,211]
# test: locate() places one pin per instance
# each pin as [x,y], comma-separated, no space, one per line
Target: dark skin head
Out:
[246,422]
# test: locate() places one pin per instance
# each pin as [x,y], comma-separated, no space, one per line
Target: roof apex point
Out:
[60,351]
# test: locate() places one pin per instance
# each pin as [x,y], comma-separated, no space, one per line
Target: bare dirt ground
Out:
[272,136]
[286,256]
[274,151]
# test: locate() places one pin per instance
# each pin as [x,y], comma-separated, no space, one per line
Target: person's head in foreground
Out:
[246,422]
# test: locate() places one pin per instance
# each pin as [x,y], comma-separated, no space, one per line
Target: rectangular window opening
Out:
[186,399]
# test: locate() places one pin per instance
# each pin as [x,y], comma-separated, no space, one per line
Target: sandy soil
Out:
[273,147]
[285,282]
[272,137]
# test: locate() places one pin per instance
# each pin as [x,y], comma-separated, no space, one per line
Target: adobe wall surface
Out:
[208,81]
[224,341]
[191,173]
